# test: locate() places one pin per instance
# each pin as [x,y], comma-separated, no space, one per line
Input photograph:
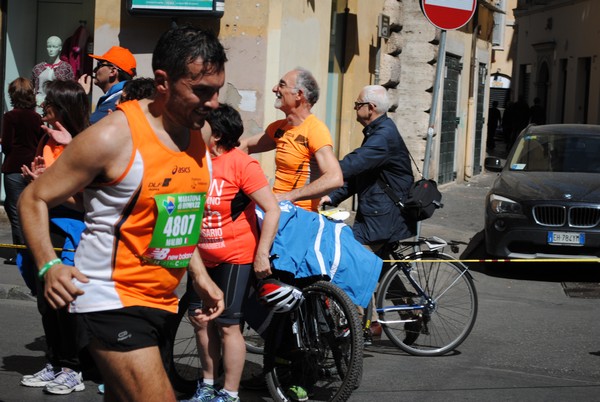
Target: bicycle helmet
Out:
[278,296]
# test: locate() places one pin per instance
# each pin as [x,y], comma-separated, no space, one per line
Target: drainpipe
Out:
[377,63]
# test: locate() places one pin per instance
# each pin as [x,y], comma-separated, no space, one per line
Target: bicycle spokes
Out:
[427,307]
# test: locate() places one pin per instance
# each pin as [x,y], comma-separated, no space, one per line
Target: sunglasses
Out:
[100,65]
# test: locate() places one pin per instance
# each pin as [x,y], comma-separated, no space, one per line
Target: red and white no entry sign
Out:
[449,14]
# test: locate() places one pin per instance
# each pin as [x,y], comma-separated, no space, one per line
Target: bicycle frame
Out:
[433,244]
[307,331]
[300,327]
[429,303]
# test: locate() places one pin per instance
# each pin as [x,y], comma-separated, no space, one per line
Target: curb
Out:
[3,216]
[12,292]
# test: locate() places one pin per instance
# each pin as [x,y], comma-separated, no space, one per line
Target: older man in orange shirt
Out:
[306,165]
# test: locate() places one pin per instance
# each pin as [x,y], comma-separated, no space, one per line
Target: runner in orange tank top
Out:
[145,173]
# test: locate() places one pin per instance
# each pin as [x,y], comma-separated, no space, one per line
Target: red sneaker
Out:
[376,329]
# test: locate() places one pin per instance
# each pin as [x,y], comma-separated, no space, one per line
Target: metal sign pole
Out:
[441,61]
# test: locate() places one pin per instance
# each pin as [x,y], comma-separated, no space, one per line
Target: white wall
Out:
[20,42]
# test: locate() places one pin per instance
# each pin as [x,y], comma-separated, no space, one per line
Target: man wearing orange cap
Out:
[114,68]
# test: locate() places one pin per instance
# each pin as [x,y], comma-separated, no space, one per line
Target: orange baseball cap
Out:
[120,57]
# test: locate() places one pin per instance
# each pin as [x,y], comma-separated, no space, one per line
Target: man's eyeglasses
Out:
[358,105]
[282,84]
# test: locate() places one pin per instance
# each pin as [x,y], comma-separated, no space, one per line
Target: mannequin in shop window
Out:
[52,69]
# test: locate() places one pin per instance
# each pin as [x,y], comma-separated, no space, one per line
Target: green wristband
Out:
[47,266]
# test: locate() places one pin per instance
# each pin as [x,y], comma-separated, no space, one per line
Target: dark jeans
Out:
[60,330]
[14,184]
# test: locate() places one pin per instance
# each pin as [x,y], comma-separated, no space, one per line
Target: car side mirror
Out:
[493,164]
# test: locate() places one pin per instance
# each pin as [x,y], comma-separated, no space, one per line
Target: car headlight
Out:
[503,205]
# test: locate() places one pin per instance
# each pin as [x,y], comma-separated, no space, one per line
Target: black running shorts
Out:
[126,329]
[234,281]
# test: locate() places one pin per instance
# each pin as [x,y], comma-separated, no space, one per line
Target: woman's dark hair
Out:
[21,93]
[226,123]
[70,103]
[139,88]
[180,46]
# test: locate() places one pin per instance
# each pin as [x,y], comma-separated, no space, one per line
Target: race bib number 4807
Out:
[177,229]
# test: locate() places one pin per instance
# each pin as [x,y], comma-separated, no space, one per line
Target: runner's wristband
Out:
[47,266]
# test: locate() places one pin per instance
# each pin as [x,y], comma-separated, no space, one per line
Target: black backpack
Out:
[422,201]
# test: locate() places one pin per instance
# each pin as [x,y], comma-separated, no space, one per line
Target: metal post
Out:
[441,61]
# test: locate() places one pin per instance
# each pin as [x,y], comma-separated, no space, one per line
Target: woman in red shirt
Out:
[231,248]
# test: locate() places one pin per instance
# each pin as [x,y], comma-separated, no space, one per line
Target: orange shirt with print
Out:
[229,228]
[295,155]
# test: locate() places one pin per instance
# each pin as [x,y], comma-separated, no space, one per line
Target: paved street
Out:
[531,341]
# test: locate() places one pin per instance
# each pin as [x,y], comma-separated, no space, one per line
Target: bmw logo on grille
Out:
[567,196]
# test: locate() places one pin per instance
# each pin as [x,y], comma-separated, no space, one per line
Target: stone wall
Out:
[407,69]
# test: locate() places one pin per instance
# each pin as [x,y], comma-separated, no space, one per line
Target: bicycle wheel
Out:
[317,347]
[254,342]
[436,323]
[185,367]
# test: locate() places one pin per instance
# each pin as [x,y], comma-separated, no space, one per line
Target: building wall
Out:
[266,38]
[297,34]
[419,51]
[418,61]
[561,33]
[113,26]
[504,55]
[362,43]
[472,52]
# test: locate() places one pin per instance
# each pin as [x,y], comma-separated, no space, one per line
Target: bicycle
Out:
[426,302]
[327,339]
[317,346]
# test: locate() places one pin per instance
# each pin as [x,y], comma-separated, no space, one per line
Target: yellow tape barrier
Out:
[19,246]
[507,260]
[22,247]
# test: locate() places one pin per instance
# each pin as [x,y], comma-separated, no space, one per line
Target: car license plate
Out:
[568,238]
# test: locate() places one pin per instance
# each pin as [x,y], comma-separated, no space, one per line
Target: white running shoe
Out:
[66,382]
[41,378]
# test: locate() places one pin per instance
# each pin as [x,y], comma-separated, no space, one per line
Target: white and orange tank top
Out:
[142,228]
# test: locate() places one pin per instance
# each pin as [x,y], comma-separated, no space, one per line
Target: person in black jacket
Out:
[381,158]
[382,155]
